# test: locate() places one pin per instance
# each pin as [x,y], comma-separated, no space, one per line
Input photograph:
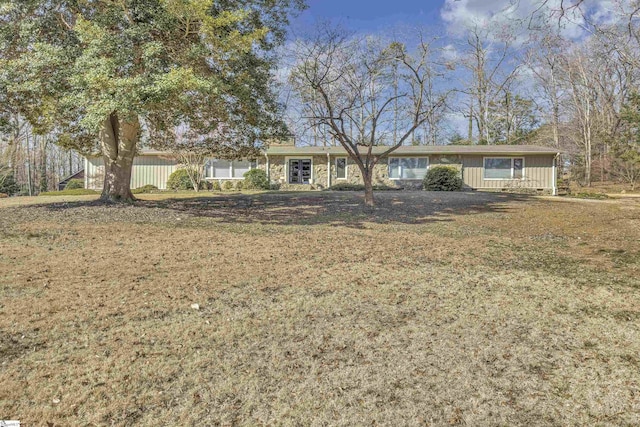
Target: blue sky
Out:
[452,16]
[447,19]
[372,15]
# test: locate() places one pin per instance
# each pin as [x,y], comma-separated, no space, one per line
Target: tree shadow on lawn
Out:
[344,209]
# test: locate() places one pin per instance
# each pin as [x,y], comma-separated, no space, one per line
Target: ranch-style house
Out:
[483,167]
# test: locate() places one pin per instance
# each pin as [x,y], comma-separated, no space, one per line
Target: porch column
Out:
[554,178]
[268,167]
[328,170]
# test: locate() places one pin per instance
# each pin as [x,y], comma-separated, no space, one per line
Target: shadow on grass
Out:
[345,209]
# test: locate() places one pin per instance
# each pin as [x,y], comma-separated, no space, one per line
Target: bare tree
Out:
[354,79]
[487,62]
[578,75]
[544,59]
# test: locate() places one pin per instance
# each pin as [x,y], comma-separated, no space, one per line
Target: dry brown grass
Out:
[606,187]
[435,309]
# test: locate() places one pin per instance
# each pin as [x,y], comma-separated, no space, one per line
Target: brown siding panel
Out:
[538,173]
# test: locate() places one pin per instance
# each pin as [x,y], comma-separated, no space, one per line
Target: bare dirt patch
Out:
[437,309]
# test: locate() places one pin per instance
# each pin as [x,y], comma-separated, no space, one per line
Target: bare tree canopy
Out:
[366,92]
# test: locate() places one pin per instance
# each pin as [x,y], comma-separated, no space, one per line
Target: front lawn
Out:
[434,309]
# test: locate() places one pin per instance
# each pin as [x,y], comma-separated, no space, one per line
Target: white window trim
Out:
[512,170]
[286,168]
[231,177]
[346,168]
[406,157]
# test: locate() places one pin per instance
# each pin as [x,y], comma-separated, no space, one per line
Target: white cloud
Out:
[519,16]
[450,53]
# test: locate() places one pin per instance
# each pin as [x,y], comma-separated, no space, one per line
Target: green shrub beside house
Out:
[179,180]
[256,179]
[442,178]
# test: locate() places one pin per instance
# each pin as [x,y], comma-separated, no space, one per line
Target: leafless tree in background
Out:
[364,91]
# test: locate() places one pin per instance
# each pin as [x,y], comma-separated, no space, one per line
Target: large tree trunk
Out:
[368,188]
[118,138]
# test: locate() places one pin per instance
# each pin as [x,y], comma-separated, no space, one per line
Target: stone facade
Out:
[278,170]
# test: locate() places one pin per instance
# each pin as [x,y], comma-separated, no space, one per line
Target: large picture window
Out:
[227,169]
[408,167]
[503,168]
[341,168]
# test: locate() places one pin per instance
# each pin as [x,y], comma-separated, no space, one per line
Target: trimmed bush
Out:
[346,186]
[227,186]
[239,185]
[442,178]
[146,189]
[215,186]
[179,180]
[380,187]
[74,184]
[256,179]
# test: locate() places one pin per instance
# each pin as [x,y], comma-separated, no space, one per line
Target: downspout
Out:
[328,170]
[555,175]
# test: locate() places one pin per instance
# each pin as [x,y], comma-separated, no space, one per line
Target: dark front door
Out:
[299,171]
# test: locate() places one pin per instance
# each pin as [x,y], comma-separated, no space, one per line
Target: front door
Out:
[299,171]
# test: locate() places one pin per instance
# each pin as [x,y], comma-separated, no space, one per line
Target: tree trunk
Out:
[44,184]
[118,139]
[368,188]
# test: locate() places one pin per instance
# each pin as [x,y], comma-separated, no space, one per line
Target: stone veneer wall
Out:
[277,171]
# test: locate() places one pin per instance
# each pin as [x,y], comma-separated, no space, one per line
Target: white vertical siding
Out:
[94,173]
[153,170]
[147,170]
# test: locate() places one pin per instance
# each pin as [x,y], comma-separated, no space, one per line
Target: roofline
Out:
[426,150]
[479,153]
[341,151]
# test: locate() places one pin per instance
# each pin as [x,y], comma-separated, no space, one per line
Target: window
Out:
[216,168]
[408,167]
[226,169]
[518,168]
[341,168]
[240,168]
[503,168]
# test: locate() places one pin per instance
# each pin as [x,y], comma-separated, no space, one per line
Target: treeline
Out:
[31,163]
[528,81]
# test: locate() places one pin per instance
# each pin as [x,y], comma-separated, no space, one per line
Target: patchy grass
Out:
[589,195]
[436,309]
[607,187]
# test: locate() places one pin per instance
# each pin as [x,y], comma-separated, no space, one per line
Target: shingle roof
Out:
[418,149]
[286,150]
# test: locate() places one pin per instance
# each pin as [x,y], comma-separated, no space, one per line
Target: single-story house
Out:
[483,167]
